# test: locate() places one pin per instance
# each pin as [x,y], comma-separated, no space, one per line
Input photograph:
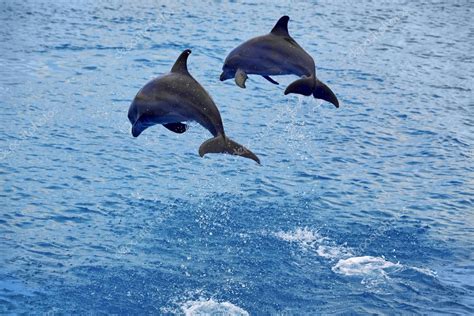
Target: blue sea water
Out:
[368,208]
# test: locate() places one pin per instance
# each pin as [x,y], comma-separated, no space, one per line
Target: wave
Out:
[211,307]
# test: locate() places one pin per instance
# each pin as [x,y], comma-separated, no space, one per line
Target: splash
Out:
[333,251]
[365,266]
[347,263]
[308,239]
[211,307]
[302,236]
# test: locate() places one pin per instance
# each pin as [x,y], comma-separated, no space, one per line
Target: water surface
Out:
[363,209]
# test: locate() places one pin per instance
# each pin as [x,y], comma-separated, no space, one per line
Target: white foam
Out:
[211,307]
[363,266]
[425,271]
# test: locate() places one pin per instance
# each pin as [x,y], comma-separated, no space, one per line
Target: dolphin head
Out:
[133,112]
[134,117]
[227,73]
[230,67]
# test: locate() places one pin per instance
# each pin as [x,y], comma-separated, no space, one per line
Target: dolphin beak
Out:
[222,77]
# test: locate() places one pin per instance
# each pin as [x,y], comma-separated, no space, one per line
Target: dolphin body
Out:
[177,97]
[276,53]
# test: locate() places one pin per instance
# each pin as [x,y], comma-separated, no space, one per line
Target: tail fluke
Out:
[308,85]
[304,86]
[321,91]
[225,145]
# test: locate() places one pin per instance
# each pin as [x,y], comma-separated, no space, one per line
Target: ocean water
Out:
[368,208]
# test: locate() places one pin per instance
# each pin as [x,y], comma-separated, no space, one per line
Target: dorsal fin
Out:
[181,66]
[281,27]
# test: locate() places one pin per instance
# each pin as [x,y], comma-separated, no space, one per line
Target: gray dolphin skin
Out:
[274,54]
[177,97]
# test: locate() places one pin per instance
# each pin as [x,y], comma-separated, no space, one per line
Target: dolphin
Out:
[276,53]
[177,97]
